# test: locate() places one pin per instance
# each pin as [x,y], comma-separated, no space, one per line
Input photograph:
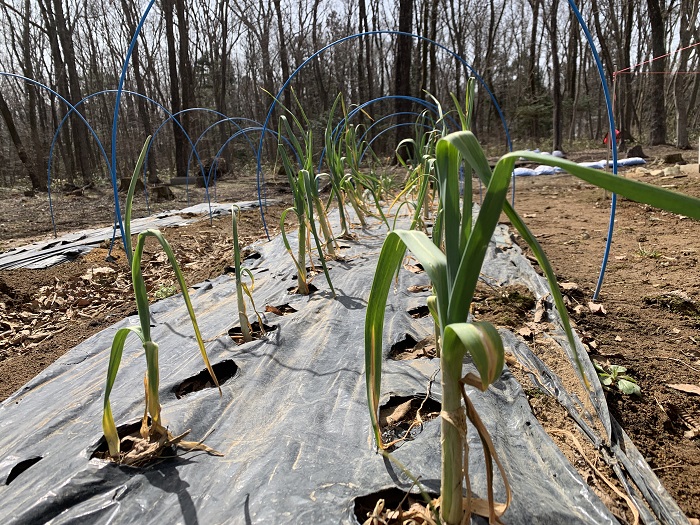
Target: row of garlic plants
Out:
[309,209]
[452,255]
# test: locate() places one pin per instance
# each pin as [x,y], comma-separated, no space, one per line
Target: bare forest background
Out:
[226,54]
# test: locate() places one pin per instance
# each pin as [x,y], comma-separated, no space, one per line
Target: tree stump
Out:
[636,151]
[674,158]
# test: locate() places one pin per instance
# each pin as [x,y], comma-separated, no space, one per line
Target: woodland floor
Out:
[651,294]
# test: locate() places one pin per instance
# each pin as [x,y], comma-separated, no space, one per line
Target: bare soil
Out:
[650,294]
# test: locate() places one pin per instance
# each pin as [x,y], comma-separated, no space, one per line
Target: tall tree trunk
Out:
[657,100]
[364,69]
[284,60]
[141,104]
[175,103]
[433,49]
[79,130]
[688,17]
[489,65]
[32,99]
[59,67]
[38,183]
[187,82]
[423,47]
[220,87]
[402,67]
[625,62]
[556,78]
[533,67]
[323,93]
[571,74]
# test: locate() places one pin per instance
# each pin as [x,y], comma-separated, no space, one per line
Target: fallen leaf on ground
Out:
[541,309]
[687,388]
[525,332]
[568,286]
[597,308]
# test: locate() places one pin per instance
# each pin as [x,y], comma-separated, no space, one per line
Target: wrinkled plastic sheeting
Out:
[293,423]
[68,247]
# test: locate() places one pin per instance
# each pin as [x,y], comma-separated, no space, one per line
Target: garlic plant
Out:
[453,260]
[154,435]
[306,199]
[241,287]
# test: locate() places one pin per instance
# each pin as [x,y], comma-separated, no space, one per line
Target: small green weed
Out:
[164,291]
[614,376]
[647,254]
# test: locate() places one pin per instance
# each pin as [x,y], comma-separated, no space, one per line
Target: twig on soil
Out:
[660,405]
[678,464]
[679,361]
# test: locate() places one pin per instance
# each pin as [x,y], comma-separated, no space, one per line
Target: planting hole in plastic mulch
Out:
[237,335]
[224,371]
[21,467]
[409,348]
[393,507]
[419,311]
[282,309]
[128,431]
[294,290]
[402,417]
[311,272]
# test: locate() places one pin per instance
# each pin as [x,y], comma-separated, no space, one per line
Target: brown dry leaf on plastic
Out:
[413,268]
[274,310]
[417,514]
[426,347]
[419,288]
[147,449]
[687,388]
[597,308]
